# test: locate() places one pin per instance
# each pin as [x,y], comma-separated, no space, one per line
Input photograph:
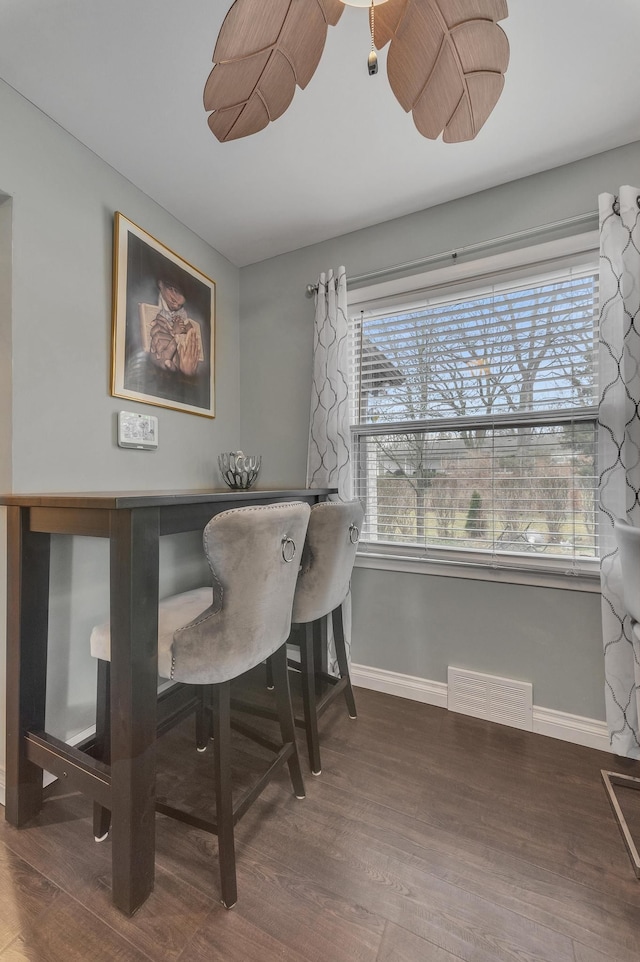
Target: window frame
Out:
[401,293]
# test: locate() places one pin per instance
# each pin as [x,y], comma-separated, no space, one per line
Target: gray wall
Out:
[416,624]
[420,624]
[64,199]
[62,428]
[5,341]
[5,419]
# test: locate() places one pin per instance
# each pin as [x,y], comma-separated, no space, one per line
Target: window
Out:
[474,426]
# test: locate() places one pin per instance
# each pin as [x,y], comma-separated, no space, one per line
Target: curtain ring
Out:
[354,534]
[288,550]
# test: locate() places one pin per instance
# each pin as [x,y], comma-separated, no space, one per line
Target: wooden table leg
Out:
[134,666]
[28,560]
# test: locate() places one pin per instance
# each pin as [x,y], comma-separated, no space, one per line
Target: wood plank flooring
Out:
[428,837]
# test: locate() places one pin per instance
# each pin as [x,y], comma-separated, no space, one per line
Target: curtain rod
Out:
[577,220]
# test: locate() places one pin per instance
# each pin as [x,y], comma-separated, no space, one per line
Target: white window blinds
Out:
[474,417]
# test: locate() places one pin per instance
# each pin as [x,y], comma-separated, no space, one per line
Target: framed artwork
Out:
[163,332]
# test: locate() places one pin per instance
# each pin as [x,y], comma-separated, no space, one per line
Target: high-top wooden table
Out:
[133,522]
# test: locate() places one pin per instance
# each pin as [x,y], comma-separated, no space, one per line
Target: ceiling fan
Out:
[446,60]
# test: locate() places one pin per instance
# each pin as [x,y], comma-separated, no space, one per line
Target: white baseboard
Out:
[588,732]
[571,728]
[405,686]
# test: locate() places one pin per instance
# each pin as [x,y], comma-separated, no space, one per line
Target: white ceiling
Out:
[125,77]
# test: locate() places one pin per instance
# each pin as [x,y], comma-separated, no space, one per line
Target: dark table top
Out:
[110,500]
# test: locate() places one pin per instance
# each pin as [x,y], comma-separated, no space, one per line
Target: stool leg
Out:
[285,716]
[269,675]
[308,682]
[203,718]
[343,663]
[102,816]
[320,646]
[221,697]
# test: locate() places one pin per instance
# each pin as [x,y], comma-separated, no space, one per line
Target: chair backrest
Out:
[327,559]
[254,554]
[628,540]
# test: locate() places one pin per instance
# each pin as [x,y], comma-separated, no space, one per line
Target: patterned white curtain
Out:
[329,456]
[328,463]
[619,450]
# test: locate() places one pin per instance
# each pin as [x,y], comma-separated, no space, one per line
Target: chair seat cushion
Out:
[173,612]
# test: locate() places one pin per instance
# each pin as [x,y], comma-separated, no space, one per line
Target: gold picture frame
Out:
[163,331]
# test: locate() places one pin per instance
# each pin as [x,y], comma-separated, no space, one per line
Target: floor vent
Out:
[487,696]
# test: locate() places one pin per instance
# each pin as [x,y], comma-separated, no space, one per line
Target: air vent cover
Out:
[495,699]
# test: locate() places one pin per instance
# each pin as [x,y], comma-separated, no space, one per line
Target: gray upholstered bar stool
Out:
[254,557]
[628,542]
[323,584]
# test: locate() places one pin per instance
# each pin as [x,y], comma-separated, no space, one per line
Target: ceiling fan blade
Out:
[332,10]
[263,51]
[387,18]
[446,62]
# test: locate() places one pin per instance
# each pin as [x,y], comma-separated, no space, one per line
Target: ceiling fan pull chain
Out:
[372,62]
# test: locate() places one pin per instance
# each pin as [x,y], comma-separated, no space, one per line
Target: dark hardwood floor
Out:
[429,837]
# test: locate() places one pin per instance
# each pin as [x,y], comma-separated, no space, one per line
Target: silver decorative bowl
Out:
[239,470]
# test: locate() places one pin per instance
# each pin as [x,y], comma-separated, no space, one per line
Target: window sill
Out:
[556,577]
